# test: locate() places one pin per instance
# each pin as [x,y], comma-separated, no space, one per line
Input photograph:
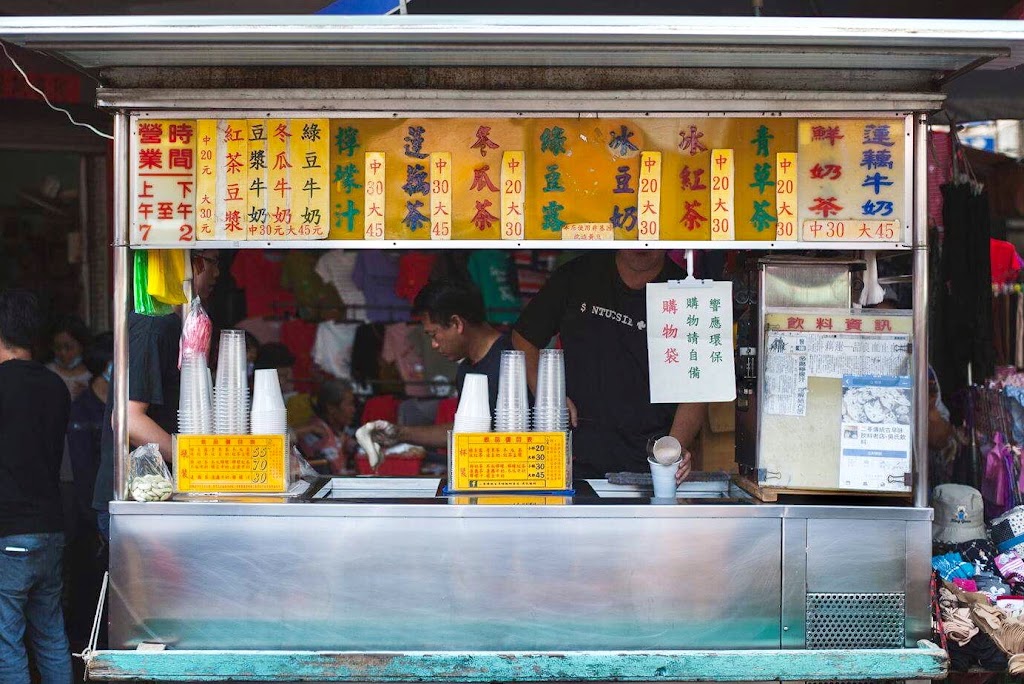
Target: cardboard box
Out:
[716,446]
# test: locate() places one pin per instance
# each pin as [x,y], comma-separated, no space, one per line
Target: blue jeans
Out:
[30,609]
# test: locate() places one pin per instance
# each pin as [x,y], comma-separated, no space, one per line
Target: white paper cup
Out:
[663,477]
[266,393]
[474,402]
[666,450]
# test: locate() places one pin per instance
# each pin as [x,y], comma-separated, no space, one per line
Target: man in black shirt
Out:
[597,306]
[452,313]
[33,419]
[154,383]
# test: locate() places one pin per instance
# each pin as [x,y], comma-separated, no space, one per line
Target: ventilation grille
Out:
[855,620]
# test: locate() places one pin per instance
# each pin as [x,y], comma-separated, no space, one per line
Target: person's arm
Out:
[425,435]
[687,423]
[143,430]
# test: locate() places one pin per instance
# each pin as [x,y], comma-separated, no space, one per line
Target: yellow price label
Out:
[440,201]
[649,197]
[723,195]
[206,181]
[785,196]
[509,461]
[373,191]
[513,195]
[230,463]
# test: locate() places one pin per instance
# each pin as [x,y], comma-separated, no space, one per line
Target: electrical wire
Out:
[49,104]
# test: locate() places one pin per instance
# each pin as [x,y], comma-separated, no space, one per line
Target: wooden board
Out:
[768,494]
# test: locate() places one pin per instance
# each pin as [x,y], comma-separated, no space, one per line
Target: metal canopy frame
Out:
[942,47]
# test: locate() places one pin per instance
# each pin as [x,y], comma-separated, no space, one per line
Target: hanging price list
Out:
[230,463]
[510,461]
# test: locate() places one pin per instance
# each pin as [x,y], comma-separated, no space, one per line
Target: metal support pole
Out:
[121,300]
[920,245]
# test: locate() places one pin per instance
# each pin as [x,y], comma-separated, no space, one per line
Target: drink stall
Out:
[782,137]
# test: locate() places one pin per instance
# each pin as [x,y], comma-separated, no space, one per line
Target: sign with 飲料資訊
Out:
[689,341]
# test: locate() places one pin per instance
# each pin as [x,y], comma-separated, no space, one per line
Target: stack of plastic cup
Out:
[231,395]
[269,416]
[550,412]
[512,413]
[195,408]
[474,412]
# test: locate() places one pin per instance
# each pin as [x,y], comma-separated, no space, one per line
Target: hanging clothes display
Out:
[491,270]
[336,268]
[966,273]
[258,272]
[376,273]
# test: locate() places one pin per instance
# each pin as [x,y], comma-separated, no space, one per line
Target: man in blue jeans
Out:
[34,405]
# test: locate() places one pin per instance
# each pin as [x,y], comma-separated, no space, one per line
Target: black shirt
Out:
[153,378]
[34,405]
[603,329]
[489,365]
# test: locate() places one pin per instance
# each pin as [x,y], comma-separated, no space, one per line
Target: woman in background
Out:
[70,339]
[325,440]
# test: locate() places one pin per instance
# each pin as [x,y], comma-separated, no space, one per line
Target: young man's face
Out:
[205,269]
[449,340]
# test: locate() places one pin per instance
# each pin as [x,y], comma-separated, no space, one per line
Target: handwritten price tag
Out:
[373,220]
[649,197]
[723,194]
[513,195]
[440,196]
[851,230]
[785,196]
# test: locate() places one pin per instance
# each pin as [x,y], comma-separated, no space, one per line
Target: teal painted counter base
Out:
[925,662]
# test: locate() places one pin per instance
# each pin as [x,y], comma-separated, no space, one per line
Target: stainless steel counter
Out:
[372,565]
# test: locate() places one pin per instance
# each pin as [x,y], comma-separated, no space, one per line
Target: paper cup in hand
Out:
[666,450]
[474,402]
[266,395]
[663,477]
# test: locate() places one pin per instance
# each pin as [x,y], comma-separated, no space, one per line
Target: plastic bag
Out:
[148,478]
[196,329]
[144,302]
[300,468]
[166,276]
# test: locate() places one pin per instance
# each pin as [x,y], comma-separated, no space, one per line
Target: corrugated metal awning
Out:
[941,47]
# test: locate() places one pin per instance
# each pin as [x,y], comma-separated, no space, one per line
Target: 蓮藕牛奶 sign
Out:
[509,461]
[647,178]
[230,463]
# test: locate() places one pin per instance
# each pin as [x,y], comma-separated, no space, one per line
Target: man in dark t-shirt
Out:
[597,306]
[34,406]
[452,313]
[154,382]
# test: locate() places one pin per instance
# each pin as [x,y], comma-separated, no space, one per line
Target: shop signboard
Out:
[230,463]
[509,461]
[649,178]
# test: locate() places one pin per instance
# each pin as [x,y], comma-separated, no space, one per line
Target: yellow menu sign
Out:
[509,461]
[230,463]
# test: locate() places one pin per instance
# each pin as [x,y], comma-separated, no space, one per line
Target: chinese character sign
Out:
[851,184]
[658,178]
[163,208]
[689,342]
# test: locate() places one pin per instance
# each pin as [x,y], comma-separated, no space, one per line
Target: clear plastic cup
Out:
[512,396]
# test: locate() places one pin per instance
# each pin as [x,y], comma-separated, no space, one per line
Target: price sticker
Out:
[785,196]
[373,191]
[509,461]
[206,181]
[851,230]
[513,195]
[723,195]
[230,463]
[649,197]
[440,201]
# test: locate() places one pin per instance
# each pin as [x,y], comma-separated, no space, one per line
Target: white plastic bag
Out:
[148,477]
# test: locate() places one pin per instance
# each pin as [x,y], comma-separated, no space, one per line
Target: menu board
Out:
[520,178]
[499,461]
[851,180]
[230,463]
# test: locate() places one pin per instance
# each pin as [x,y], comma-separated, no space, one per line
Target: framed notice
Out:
[230,463]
